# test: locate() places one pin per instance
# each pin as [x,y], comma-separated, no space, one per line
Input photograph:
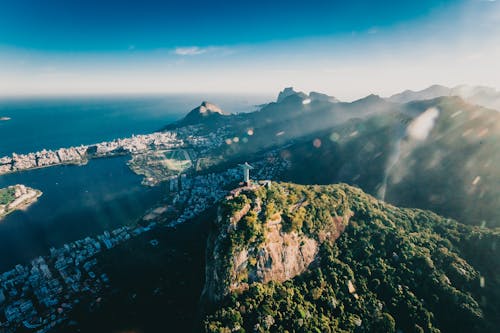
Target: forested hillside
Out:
[390,268]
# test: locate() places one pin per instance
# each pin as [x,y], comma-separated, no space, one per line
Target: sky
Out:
[344,48]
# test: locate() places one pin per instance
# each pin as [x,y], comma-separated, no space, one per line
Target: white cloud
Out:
[190,51]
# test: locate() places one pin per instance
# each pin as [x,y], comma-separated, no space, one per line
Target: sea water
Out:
[80,201]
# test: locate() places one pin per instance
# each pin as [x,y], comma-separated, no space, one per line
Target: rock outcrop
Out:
[252,244]
[207,113]
[320,97]
[289,91]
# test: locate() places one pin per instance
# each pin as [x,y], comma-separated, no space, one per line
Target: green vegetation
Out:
[365,143]
[6,195]
[303,209]
[452,172]
[356,152]
[390,269]
[160,165]
[314,211]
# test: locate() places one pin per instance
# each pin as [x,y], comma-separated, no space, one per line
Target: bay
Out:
[77,201]
[80,201]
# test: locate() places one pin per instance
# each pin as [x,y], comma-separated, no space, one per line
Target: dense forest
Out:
[390,269]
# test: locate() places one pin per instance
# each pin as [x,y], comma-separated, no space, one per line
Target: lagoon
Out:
[80,201]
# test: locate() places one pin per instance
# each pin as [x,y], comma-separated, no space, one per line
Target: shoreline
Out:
[26,197]
[83,163]
[82,154]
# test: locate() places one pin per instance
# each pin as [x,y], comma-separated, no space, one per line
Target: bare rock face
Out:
[289,91]
[208,108]
[270,252]
[284,256]
[207,113]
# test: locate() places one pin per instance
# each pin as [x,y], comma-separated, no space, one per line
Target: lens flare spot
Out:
[335,137]
[285,154]
[467,132]
[482,282]
[483,133]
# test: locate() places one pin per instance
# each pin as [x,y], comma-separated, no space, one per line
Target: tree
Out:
[385,324]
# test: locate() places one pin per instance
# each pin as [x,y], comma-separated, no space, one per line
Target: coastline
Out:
[22,199]
[70,163]
[82,154]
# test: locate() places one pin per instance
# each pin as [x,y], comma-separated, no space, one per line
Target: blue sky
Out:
[346,48]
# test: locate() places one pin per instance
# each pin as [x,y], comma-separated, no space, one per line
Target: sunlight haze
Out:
[456,42]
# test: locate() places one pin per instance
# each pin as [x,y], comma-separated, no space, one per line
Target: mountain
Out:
[206,113]
[480,95]
[315,258]
[298,116]
[447,162]
[289,91]
[438,154]
[333,259]
[485,96]
[313,95]
[427,93]
[316,96]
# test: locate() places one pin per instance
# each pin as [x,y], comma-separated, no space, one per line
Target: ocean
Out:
[80,201]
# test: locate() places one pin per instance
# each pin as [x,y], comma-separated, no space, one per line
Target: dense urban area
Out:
[39,295]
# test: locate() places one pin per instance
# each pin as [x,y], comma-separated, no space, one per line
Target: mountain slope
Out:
[450,167]
[437,154]
[484,96]
[207,113]
[389,268]
[431,92]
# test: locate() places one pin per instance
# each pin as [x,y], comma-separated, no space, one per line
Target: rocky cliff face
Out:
[390,270]
[207,113]
[289,91]
[254,241]
[208,108]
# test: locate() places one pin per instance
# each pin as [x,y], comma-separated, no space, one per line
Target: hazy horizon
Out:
[345,50]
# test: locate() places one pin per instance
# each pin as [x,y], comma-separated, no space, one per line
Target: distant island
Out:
[16,197]
[4,118]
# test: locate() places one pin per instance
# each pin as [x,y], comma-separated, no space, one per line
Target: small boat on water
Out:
[4,118]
